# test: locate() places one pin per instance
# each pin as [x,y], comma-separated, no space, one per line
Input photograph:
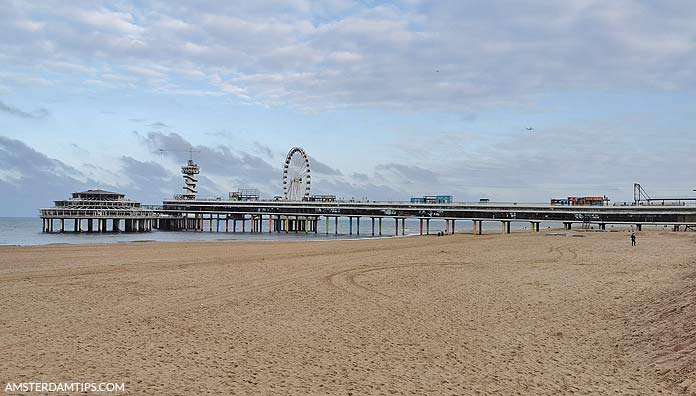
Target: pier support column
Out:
[350,225]
[403,226]
[373,226]
[62,225]
[358,224]
[90,225]
[427,226]
[420,225]
[243,223]
[603,227]
[639,227]
[567,226]
[396,226]
[336,225]
[234,225]
[478,225]
[446,226]
[506,226]
[380,226]
[453,226]
[75,226]
[116,225]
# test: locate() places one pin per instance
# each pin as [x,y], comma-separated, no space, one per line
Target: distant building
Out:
[99,208]
[322,198]
[583,201]
[432,199]
[245,194]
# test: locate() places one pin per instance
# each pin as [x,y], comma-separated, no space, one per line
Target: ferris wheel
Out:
[296,175]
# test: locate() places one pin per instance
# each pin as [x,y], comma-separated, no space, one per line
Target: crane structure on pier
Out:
[640,196]
[189,171]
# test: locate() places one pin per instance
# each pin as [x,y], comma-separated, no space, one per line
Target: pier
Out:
[97,211]
[287,216]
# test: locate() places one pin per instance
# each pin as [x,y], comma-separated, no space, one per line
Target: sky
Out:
[389,99]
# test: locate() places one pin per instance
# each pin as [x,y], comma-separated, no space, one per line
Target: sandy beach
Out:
[520,314]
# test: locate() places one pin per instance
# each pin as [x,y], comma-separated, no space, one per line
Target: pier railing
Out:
[58,213]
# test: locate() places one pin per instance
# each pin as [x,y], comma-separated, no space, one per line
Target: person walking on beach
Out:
[633,239]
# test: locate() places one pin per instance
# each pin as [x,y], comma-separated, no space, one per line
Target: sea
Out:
[25,231]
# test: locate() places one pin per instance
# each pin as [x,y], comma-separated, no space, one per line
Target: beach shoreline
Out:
[461,314]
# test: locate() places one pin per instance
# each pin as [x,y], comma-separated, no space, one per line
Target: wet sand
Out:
[526,314]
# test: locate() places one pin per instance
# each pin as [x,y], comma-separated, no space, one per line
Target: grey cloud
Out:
[454,55]
[409,174]
[584,159]
[31,180]
[359,190]
[152,182]
[242,169]
[263,149]
[39,113]
[320,167]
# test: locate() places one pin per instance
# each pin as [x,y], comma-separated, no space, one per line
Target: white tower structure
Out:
[189,171]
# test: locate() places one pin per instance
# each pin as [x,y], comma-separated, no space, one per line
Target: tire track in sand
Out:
[345,279]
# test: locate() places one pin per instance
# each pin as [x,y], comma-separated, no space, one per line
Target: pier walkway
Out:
[284,216]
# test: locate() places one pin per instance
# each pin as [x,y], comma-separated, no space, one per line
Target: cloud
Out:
[320,167]
[229,169]
[36,114]
[158,125]
[449,55]
[30,180]
[408,174]
[263,149]
[152,182]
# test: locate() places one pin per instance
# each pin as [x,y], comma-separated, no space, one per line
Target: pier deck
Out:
[281,212]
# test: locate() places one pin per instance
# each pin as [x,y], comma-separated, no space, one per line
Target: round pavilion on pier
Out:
[98,211]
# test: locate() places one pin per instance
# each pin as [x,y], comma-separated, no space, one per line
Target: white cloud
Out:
[447,55]
[120,22]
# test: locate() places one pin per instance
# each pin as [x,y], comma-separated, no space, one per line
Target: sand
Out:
[520,314]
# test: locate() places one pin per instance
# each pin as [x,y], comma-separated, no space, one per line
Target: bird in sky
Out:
[529,129]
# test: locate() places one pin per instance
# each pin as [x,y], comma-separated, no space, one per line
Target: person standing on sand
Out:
[633,239]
